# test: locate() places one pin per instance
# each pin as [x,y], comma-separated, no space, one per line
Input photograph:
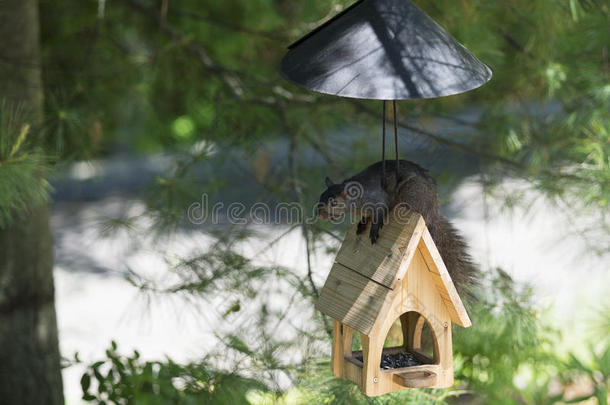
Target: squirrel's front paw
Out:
[361,226]
[374,234]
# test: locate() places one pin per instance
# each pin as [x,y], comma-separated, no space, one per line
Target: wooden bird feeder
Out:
[370,287]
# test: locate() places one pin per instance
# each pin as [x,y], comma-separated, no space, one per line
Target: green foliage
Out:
[208,73]
[129,380]
[218,271]
[508,358]
[68,131]
[595,373]
[252,341]
[201,84]
[23,166]
[509,343]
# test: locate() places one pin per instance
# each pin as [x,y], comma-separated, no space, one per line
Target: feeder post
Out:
[407,323]
[372,348]
[445,352]
[337,350]
[342,347]
[348,338]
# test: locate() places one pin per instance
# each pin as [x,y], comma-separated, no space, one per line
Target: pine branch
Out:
[23,169]
[299,193]
[226,25]
[522,170]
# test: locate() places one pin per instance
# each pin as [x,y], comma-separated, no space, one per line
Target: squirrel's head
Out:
[333,202]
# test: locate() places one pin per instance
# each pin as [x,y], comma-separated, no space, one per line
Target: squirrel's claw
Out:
[376,225]
[374,233]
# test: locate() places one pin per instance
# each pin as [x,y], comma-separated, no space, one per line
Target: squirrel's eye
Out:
[333,203]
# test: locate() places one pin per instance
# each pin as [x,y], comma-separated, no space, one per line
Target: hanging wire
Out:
[383,179]
[395,138]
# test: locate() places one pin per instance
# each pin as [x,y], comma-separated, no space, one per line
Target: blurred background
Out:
[124,123]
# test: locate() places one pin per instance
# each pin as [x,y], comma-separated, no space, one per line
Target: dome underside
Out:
[385,50]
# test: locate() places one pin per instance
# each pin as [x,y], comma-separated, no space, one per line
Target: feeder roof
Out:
[384,50]
[365,276]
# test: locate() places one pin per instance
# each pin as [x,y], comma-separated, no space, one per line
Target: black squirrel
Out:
[371,197]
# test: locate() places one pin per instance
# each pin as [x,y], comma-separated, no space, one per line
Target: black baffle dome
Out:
[385,50]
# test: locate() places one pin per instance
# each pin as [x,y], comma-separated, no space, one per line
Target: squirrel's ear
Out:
[328,181]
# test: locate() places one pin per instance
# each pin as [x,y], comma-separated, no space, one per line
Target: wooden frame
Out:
[369,287]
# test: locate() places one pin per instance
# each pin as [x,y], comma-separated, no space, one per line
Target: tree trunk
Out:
[29,352]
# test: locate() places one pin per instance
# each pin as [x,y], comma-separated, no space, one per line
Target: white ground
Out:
[95,304]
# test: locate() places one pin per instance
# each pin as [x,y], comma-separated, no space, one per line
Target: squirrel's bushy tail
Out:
[453,250]
[418,190]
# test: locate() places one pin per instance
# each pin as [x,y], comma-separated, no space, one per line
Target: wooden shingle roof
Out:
[364,276]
